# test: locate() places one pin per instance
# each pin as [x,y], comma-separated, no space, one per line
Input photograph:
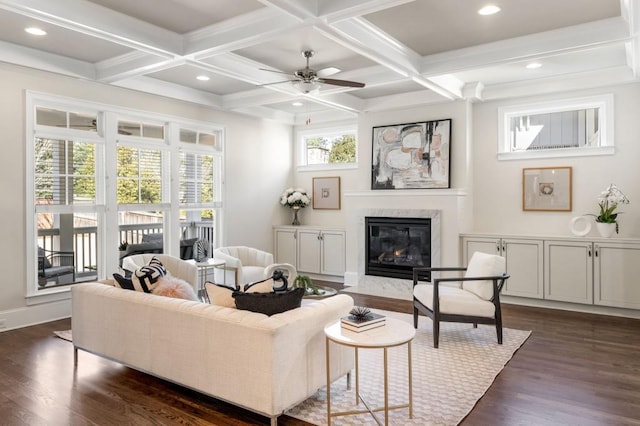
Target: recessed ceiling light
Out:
[534,65]
[203,78]
[297,104]
[35,31]
[489,9]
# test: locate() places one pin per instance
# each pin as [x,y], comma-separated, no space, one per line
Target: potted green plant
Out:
[304,281]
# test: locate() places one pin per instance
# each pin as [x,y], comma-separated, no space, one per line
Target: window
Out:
[328,148]
[101,185]
[572,127]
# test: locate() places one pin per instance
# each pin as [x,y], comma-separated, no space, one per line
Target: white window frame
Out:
[301,147]
[107,138]
[604,104]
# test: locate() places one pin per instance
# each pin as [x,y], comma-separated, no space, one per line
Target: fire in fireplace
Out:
[395,245]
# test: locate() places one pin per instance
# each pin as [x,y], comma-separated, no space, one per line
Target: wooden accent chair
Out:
[476,300]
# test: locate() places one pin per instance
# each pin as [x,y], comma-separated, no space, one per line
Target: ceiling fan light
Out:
[35,31]
[489,9]
[307,86]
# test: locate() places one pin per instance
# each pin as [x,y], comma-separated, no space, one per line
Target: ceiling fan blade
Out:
[278,82]
[276,71]
[345,83]
[326,72]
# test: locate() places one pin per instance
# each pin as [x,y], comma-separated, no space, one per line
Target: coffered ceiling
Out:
[406,52]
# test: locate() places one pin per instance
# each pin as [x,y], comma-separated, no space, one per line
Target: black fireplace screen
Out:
[394,246]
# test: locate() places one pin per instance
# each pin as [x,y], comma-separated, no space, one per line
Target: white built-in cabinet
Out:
[523,258]
[599,271]
[311,250]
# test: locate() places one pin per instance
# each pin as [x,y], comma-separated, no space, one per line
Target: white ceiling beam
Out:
[97,21]
[559,84]
[300,9]
[254,98]
[32,58]
[131,65]
[630,11]
[565,40]
[268,113]
[239,32]
[402,101]
[368,40]
[170,90]
[337,10]
[341,101]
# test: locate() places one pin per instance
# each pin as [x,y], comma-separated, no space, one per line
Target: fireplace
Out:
[395,245]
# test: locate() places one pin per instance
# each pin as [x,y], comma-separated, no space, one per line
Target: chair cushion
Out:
[483,265]
[454,300]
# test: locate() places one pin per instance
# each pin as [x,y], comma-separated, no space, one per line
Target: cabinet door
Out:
[616,272]
[285,245]
[482,244]
[525,266]
[309,251]
[568,271]
[333,252]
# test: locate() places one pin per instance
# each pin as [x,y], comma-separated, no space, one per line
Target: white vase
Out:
[606,229]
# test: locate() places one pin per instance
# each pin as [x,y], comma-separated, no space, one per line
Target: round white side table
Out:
[394,333]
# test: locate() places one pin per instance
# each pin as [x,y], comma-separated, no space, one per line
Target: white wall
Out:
[497,203]
[258,167]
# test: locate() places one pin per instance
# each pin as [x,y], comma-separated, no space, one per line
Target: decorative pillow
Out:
[144,279]
[222,295]
[483,265]
[170,286]
[269,303]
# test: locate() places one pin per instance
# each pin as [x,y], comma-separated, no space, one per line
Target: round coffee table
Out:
[394,333]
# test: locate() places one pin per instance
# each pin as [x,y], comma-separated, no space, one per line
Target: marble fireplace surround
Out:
[391,287]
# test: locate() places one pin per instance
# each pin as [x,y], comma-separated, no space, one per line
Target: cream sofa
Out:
[265,364]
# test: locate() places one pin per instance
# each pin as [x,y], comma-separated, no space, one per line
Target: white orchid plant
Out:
[295,197]
[608,201]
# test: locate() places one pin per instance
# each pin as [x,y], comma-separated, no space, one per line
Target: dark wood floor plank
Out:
[575,369]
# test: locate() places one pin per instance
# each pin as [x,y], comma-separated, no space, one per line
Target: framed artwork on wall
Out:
[326,193]
[411,155]
[547,189]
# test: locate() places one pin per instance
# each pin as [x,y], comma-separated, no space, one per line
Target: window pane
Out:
[196,178]
[67,248]
[331,149]
[139,175]
[207,139]
[128,128]
[153,131]
[140,232]
[64,172]
[51,117]
[188,136]
[83,121]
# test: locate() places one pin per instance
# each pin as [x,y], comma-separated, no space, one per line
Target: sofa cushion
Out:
[269,303]
[222,295]
[143,279]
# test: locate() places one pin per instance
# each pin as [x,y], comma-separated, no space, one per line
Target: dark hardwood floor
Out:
[575,369]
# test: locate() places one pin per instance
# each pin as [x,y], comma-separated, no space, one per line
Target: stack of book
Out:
[360,324]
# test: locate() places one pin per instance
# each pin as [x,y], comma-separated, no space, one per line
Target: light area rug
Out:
[447,382]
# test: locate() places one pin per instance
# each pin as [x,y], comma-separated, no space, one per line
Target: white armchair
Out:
[183,269]
[476,301]
[243,264]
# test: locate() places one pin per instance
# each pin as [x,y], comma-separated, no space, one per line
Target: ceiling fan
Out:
[308,80]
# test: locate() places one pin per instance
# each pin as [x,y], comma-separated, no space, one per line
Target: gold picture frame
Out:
[326,193]
[547,189]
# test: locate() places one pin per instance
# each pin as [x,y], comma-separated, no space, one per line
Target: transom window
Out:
[328,148]
[581,126]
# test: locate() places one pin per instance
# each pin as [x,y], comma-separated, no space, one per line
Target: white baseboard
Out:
[35,314]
